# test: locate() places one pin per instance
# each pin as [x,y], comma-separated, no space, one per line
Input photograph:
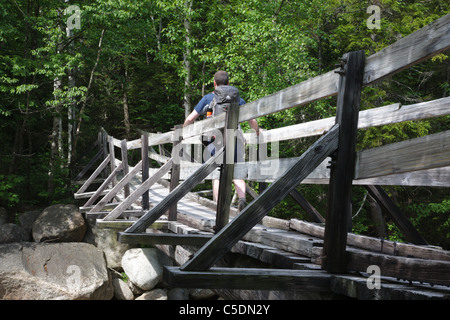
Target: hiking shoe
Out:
[242,204]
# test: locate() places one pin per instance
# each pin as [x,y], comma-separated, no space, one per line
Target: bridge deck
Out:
[293,256]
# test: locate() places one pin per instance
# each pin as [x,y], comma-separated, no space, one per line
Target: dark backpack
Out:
[224,96]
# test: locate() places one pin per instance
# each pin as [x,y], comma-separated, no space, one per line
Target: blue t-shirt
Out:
[207,98]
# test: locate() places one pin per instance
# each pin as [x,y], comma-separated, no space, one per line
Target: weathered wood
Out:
[145,168]
[412,49]
[124,153]
[112,193]
[179,192]
[375,244]
[103,186]
[175,172]
[339,196]
[163,238]
[386,115]
[309,209]
[258,208]
[227,167]
[402,222]
[431,271]
[356,287]
[251,279]
[112,157]
[138,192]
[416,154]
[123,224]
[94,175]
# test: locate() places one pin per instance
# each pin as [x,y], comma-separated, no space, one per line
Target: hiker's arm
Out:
[254,125]
[191,118]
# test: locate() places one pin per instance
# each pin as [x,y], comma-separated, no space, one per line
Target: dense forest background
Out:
[125,65]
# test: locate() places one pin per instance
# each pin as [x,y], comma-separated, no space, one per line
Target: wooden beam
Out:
[138,192]
[309,209]
[103,186]
[163,238]
[175,171]
[405,226]
[94,175]
[426,152]
[248,278]
[151,216]
[112,193]
[338,218]
[145,169]
[226,238]
[227,167]
[413,269]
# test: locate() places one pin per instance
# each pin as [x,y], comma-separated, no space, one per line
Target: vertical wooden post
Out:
[343,164]
[175,172]
[112,157]
[227,167]
[124,153]
[145,168]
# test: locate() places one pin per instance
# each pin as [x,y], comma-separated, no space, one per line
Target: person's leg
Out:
[215,184]
[239,185]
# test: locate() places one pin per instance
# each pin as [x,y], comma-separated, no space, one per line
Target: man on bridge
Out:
[221,78]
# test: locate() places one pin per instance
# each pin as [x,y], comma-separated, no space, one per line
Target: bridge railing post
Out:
[338,220]
[227,167]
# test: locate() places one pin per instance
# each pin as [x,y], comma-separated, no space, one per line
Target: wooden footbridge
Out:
[156,206]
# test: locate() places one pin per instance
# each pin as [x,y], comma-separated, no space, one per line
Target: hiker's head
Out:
[221,78]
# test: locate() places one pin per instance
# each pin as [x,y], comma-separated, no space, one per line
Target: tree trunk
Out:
[187,58]
[126,116]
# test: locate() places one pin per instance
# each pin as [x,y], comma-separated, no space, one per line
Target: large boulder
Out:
[58,271]
[142,266]
[59,223]
[11,232]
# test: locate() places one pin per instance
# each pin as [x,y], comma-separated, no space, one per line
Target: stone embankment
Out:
[55,254]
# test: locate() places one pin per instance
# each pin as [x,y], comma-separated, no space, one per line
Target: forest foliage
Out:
[68,68]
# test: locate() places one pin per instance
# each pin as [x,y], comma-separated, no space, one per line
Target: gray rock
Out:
[59,271]
[142,267]
[59,223]
[121,290]
[156,294]
[11,232]
[178,294]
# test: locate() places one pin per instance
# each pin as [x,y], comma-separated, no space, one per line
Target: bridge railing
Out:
[422,161]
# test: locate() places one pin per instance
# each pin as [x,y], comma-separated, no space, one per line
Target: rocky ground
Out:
[55,254]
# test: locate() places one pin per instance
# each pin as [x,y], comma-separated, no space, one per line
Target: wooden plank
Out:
[175,171]
[356,287]
[386,115]
[249,278]
[405,226]
[104,185]
[309,209]
[258,208]
[163,238]
[412,49]
[340,191]
[375,244]
[151,216]
[138,192]
[123,224]
[227,168]
[145,167]
[112,193]
[94,175]
[124,153]
[431,271]
[416,154]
